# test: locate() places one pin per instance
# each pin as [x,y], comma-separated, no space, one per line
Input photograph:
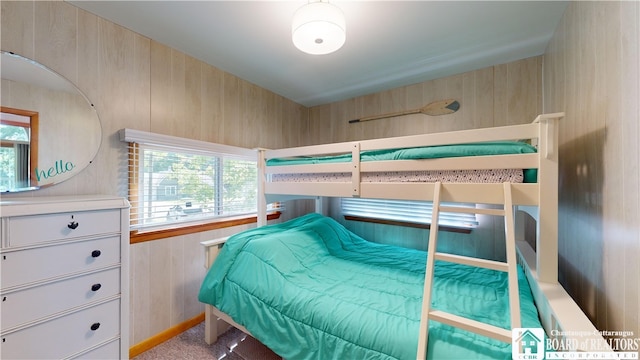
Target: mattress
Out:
[310,289]
[457,176]
[429,152]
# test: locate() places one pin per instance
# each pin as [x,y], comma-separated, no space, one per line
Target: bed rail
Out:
[501,133]
[561,317]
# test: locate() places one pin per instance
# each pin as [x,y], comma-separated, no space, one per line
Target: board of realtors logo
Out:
[527,344]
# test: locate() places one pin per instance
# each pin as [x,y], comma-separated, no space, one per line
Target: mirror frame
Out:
[62,169]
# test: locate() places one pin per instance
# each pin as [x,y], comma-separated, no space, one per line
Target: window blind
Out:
[418,212]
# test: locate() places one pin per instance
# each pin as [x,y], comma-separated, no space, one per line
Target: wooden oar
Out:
[435,108]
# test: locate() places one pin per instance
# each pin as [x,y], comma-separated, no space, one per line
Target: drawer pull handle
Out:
[95,287]
[95,253]
[72,225]
[95,326]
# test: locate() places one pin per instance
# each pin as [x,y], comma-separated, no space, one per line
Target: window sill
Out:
[406,224]
[137,236]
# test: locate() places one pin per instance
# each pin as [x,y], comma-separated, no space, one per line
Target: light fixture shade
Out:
[318,28]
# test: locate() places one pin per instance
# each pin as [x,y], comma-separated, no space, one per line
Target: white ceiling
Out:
[389,43]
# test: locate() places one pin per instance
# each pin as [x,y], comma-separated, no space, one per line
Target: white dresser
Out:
[64,286]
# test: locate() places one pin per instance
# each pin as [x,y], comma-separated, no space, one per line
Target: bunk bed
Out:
[528,279]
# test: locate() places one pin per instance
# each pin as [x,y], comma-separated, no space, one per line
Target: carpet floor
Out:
[190,345]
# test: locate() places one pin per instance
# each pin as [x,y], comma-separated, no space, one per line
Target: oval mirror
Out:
[49,130]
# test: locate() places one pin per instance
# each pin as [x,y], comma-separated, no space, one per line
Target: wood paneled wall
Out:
[498,95]
[141,84]
[503,94]
[592,73]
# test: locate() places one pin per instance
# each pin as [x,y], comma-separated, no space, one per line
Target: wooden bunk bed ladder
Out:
[510,266]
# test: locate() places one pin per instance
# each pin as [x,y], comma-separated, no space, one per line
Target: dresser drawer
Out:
[25,266]
[109,351]
[65,336]
[30,304]
[34,229]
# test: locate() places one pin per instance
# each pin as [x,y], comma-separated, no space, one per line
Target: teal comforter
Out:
[310,289]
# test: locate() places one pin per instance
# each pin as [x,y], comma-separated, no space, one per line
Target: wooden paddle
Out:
[435,108]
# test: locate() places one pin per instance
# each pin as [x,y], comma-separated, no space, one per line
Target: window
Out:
[14,153]
[171,190]
[401,212]
[174,181]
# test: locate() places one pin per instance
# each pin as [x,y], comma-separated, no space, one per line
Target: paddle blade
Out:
[441,107]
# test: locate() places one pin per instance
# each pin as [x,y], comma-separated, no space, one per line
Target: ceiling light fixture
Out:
[318,28]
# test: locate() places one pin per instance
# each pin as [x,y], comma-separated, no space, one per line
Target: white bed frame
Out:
[561,318]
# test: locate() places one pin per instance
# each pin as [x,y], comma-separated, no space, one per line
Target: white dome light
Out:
[318,28]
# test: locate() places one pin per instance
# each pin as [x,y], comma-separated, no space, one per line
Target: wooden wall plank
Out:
[17,16]
[592,73]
